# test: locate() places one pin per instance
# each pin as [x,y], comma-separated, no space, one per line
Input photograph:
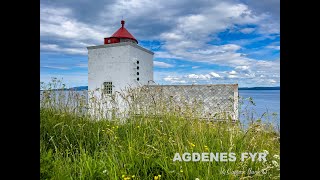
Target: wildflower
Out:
[197,179]
[275,163]
[265,151]
[123,176]
[117,127]
[159,176]
[138,126]
[181,170]
[161,121]
[102,130]
[191,144]
[126,178]
[156,178]
[133,176]
[206,148]
[276,156]
[112,127]
[104,171]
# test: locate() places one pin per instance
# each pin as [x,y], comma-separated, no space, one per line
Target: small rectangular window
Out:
[107,87]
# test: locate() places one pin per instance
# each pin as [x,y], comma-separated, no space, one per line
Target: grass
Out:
[76,146]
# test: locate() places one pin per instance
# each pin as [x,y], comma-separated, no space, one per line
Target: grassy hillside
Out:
[79,147]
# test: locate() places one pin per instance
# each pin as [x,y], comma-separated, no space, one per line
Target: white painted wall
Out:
[116,63]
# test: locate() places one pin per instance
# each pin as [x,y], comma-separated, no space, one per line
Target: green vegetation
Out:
[77,146]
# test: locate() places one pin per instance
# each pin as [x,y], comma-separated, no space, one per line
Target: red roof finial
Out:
[122,23]
[121,33]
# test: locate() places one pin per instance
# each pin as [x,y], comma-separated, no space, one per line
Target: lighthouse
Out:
[119,63]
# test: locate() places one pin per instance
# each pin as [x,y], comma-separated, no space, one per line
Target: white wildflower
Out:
[104,171]
[265,151]
[276,156]
[275,163]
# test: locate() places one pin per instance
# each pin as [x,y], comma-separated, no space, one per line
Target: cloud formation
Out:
[240,36]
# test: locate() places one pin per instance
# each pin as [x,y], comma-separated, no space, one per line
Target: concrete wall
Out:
[212,101]
[216,102]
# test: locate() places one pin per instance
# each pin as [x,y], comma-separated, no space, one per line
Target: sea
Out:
[265,105]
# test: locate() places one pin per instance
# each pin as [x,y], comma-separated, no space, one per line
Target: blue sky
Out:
[195,42]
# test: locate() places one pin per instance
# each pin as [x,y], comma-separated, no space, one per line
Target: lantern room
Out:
[121,35]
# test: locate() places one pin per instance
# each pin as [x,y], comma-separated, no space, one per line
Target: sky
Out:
[195,42]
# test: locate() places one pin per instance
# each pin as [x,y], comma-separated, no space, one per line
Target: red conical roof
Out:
[123,33]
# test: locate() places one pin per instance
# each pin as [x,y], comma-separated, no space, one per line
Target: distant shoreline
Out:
[259,88]
[81,88]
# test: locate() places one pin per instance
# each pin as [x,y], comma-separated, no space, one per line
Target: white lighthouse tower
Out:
[119,63]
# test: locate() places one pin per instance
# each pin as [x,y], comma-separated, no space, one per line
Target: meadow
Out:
[77,146]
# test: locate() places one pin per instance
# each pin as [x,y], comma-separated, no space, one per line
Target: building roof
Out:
[123,33]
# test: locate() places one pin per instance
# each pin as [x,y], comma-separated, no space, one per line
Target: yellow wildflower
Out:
[123,176]
[156,177]
[133,176]
[181,170]
[191,144]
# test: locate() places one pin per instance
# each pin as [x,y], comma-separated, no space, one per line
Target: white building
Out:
[119,63]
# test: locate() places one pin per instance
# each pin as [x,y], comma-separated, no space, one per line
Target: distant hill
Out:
[81,88]
[259,88]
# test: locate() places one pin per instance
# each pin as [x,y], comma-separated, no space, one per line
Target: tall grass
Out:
[74,145]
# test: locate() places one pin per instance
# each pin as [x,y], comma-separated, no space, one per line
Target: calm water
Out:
[265,101]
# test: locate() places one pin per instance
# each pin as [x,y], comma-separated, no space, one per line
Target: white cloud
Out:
[56,48]
[56,67]
[195,67]
[172,79]
[171,36]
[83,65]
[272,81]
[208,76]
[242,67]
[162,64]
[233,72]
[231,76]
[247,30]
[58,23]
[274,47]
[182,28]
[200,76]
[213,74]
